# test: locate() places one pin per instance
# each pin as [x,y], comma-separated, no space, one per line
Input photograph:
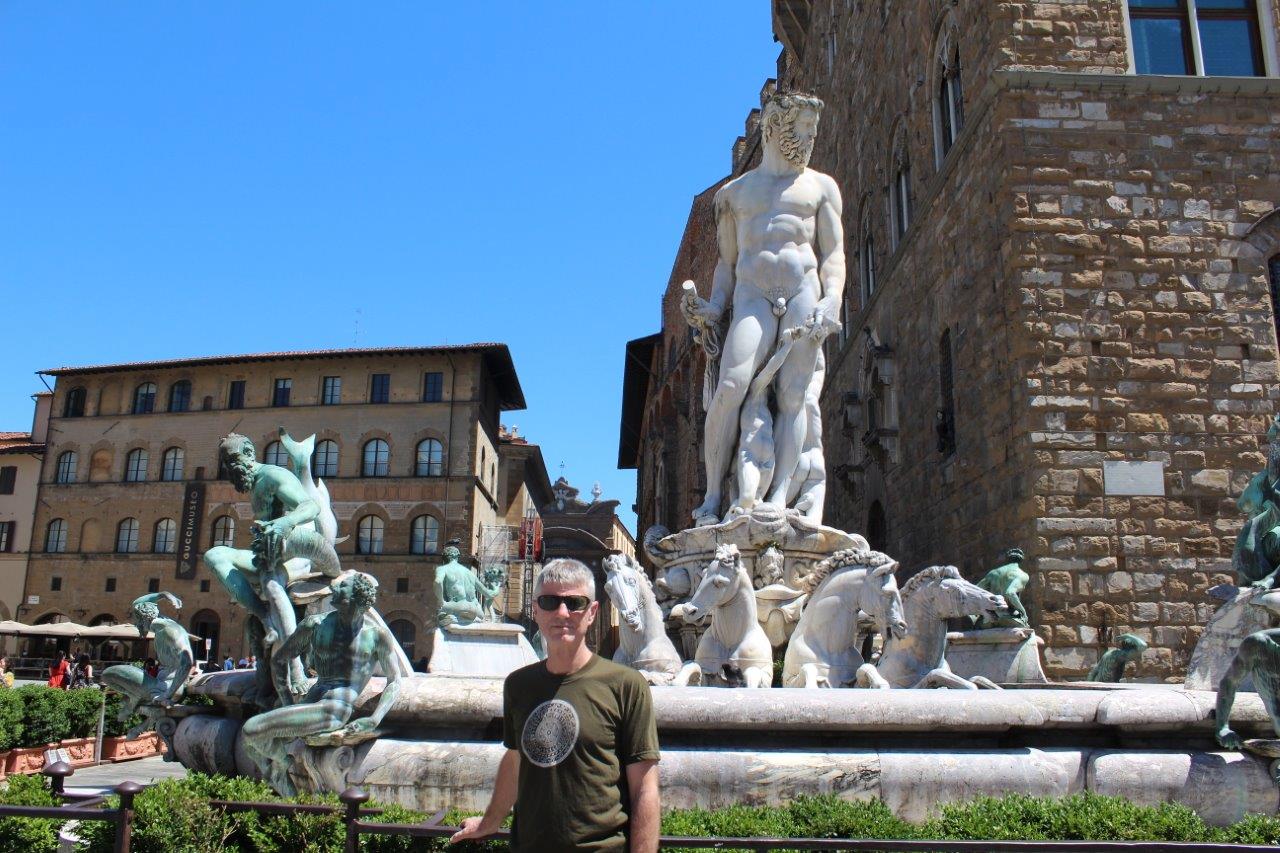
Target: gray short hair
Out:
[568,572]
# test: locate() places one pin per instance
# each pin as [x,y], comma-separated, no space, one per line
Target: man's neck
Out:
[774,163]
[568,658]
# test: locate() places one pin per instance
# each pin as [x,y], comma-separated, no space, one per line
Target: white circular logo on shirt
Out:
[550,733]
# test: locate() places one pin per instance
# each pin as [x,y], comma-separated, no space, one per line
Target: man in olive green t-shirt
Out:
[581,766]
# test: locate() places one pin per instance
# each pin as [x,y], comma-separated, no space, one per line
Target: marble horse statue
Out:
[929,599]
[824,649]
[643,643]
[735,638]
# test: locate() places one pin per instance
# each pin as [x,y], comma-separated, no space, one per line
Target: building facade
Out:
[407,442]
[1060,330]
[21,457]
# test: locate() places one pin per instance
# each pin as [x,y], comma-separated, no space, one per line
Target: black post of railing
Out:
[353,799]
[57,772]
[124,814]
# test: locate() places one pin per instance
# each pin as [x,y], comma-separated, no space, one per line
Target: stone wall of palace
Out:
[1094,247]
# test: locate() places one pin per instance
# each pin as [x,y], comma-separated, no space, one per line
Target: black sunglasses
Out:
[575,603]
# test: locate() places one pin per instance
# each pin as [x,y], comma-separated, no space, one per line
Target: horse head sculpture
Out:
[643,643]
[734,636]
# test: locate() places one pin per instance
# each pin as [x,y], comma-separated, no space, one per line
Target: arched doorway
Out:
[877,527]
[207,626]
[47,647]
[406,635]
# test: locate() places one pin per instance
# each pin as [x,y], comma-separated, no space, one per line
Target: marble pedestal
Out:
[482,648]
[1004,655]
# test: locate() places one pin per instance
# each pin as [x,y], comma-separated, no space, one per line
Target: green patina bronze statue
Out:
[462,595]
[146,694]
[286,517]
[1258,658]
[1110,667]
[343,646]
[1256,557]
[1007,579]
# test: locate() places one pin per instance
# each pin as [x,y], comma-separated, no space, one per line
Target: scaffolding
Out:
[517,549]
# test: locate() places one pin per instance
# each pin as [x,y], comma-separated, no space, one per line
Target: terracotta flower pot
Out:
[121,749]
[79,751]
[29,759]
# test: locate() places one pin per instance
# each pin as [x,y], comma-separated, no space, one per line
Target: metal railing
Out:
[353,813]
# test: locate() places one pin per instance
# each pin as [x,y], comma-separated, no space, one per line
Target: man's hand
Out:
[276,530]
[362,725]
[473,829]
[821,323]
[697,311]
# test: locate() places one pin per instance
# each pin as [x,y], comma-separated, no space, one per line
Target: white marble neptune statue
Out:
[780,275]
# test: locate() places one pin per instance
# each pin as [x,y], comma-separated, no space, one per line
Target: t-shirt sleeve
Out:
[638,739]
[510,739]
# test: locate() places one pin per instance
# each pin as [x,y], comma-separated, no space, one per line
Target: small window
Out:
[868,268]
[402,585]
[1273,278]
[8,479]
[127,536]
[280,394]
[55,584]
[153,584]
[376,459]
[947,410]
[949,104]
[274,454]
[7,529]
[166,538]
[324,462]
[331,391]
[144,399]
[180,396]
[900,202]
[110,585]
[432,387]
[369,538]
[380,388]
[430,458]
[224,530]
[1229,40]
[73,407]
[204,586]
[425,535]
[66,471]
[235,396]
[135,466]
[55,537]
[172,464]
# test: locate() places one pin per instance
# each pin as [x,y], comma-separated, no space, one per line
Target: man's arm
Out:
[709,311]
[830,240]
[390,691]
[504,797]
[642,779]
[299,507]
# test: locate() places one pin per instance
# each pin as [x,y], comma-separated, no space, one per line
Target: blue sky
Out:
[438,172]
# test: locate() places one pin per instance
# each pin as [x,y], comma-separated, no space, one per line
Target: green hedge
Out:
[36,715]
[174,816]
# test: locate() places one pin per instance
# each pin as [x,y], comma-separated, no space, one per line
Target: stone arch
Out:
[419,437]
[352,531]
[207,625]
[109,398]
[91,536]
[103,619]
[408,631]
[100,463]
[51,617]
